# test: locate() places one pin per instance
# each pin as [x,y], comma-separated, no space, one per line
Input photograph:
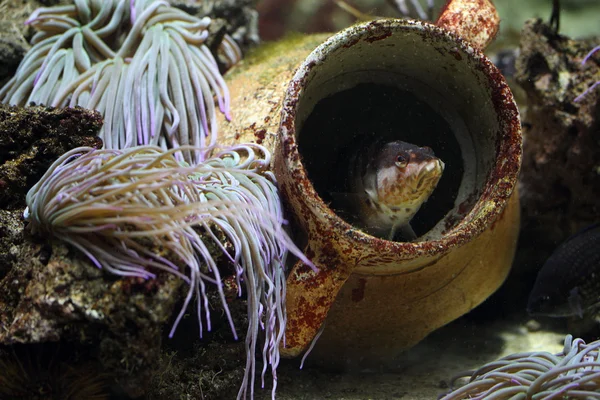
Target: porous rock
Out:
[560,176]
[51,293]
[31,138]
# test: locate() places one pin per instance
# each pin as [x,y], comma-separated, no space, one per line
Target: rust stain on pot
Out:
[372,39]
[351,43]
[310,279]
[467,205]
[455,53]
[288,145]
[260,135]
[295,327]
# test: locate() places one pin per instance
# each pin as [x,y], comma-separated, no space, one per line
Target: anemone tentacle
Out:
[138,211]
[593,85]
[573,373]
[143,64]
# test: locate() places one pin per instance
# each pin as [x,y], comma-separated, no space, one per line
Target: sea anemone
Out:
[593,86]
[141,63]
[572,374]
[47,371]
[136,211]
[402,6]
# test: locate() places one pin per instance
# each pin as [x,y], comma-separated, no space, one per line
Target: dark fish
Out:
[569,282]
[506,61]
[392,180]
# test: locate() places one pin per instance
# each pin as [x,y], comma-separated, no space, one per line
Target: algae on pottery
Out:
[257,87]
[379,296]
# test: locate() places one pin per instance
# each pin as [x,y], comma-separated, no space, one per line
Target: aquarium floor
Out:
[423,372]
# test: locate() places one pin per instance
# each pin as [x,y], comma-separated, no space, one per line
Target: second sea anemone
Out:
[573,373]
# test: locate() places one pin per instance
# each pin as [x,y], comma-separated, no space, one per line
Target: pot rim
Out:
[503,175]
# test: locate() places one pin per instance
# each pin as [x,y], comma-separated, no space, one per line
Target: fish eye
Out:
[401,161]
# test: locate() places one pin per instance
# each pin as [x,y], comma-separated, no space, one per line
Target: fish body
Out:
[569,282]
[392,181]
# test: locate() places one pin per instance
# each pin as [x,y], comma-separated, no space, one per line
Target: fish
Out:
[506,61]
[391,181]
[568,284]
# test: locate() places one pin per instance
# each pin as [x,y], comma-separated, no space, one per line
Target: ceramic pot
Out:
[411,81]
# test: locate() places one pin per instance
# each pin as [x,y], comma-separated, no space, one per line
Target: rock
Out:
[13,47]
[31,138]
[560,176]
[51,293]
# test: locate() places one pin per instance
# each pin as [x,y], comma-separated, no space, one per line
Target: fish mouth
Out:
[413,185]
[429,175]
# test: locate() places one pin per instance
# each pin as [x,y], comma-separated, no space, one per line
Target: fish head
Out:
[406,174]
[567,284]
[554,303]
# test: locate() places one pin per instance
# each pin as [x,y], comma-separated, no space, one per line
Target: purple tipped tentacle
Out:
[588,90]
[590,54]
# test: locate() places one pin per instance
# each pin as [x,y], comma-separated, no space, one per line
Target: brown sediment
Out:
[358,293]
[260,135]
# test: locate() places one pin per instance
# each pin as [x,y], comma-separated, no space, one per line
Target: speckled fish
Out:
[569,282]
[392,181]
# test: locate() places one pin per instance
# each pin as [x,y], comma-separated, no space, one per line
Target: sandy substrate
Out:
[423,372]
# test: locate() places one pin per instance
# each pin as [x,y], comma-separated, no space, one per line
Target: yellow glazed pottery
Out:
[378,297]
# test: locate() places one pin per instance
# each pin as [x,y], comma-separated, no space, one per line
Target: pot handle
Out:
[477,21]
[310,295]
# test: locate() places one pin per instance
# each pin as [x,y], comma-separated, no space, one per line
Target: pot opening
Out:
[342,124]
[415,84]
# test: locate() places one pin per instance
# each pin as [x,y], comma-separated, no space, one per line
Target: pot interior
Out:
[399,81]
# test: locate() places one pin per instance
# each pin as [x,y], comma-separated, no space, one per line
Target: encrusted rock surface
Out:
[13,47]
[560,177]
[50,293]
[239,17]
[14,34]
[31,138]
